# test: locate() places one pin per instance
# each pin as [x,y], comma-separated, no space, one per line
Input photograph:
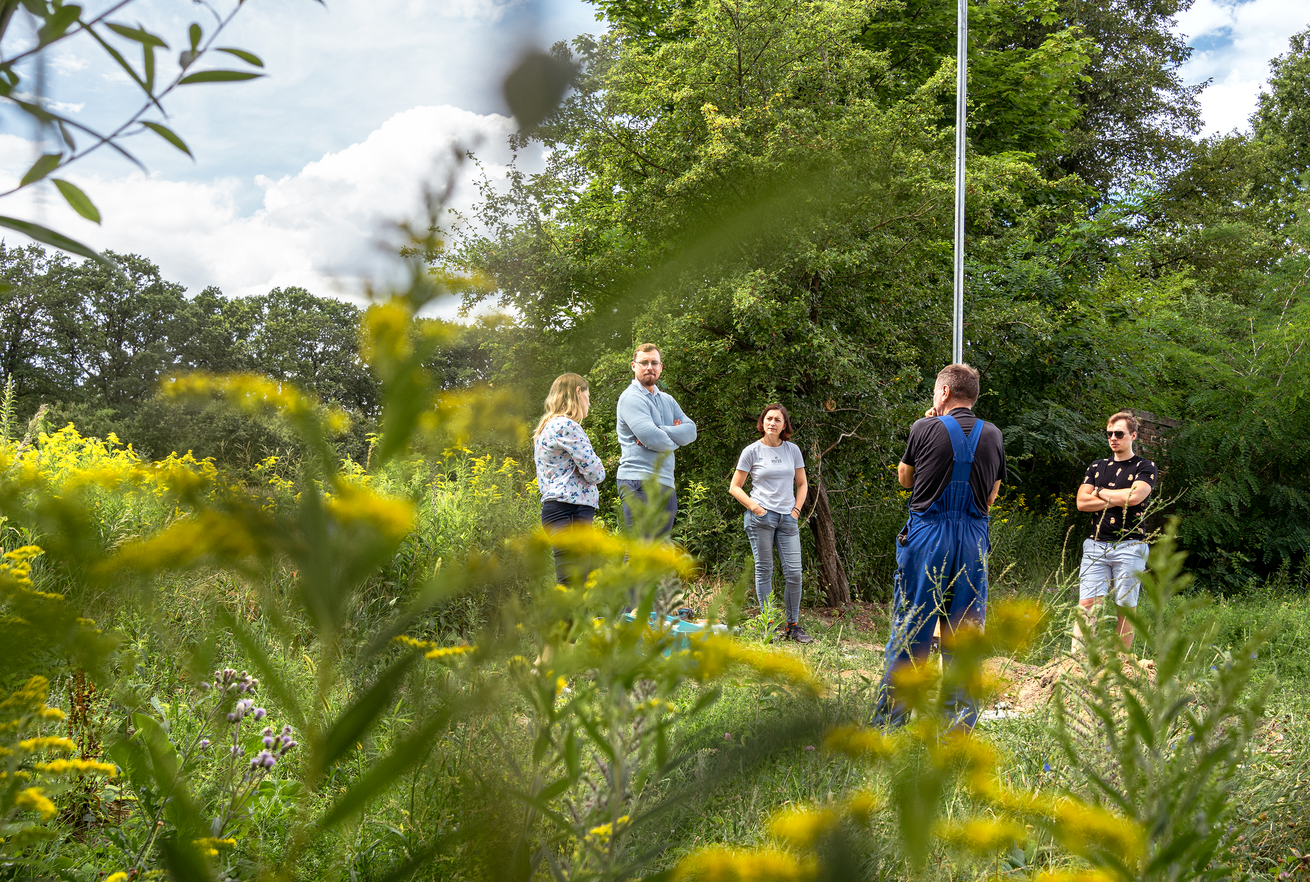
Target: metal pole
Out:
[961,96]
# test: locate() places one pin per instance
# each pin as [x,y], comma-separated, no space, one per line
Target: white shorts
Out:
[1117,563]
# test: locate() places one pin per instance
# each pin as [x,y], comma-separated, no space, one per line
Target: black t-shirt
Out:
[1113,524]
[929,453]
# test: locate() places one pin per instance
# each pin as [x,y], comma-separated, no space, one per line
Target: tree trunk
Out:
[832,575]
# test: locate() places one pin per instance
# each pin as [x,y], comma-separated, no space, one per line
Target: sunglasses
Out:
[1115,433]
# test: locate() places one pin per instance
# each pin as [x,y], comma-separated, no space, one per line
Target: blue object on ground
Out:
[681,628]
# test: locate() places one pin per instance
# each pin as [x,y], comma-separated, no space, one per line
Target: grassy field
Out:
[732,752]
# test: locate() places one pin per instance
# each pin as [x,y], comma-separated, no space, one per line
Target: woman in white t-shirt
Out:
[773,509]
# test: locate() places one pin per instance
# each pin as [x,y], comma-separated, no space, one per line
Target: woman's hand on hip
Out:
[758,510]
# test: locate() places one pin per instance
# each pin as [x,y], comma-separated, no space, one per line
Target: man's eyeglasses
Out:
[648,364]
[1115,433]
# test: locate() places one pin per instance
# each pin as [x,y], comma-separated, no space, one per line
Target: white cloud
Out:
[324,228]
[490,11]
[66,63]
[1238,38]
[50,103]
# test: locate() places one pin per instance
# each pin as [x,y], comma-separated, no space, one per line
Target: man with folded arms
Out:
[1114,490]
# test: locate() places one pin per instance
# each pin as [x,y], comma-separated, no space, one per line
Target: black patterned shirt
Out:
[1113,524]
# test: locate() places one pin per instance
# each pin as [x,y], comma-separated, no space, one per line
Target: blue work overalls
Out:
[941,570]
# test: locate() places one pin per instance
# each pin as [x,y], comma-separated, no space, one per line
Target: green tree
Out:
[312,342]
[1282,119]
[744,197]
[1091,87]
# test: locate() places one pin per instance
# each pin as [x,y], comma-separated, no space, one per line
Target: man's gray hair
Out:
[962,379]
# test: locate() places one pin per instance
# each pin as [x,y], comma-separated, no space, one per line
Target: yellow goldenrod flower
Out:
[1014,624]
[80,766]
[117,877]
[47,742]
[983,836]
[448,651]
[914,683]
[803,828]
[1081,827]
[862,743]
[384,333]
[1074,876]
[714,653]
[861,806]
[353,504]
[209,846]
[600,835]
[721,864]
[403,640]
[33,798]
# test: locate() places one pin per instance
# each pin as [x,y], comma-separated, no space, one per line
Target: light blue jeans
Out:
[769,530]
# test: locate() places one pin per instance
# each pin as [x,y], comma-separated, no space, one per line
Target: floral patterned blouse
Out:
[567,468]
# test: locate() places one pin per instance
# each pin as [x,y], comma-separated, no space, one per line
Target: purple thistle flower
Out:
[231,718]
[204,743]
[260,713]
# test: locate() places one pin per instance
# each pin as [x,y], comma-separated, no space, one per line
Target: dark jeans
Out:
[629,489]
[556,516]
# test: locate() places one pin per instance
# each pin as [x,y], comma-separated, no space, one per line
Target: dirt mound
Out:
[1024,687]
[1029,687]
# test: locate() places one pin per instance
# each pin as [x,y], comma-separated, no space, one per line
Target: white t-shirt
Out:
[773,474]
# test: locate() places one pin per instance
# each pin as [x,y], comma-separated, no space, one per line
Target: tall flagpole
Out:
[961,84]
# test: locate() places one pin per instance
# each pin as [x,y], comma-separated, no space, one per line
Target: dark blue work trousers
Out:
[941,575]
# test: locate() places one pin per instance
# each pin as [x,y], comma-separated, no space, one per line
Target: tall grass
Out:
[522,765]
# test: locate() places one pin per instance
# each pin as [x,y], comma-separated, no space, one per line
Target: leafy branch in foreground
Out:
[1160,742]
[1153,751]
[50,24]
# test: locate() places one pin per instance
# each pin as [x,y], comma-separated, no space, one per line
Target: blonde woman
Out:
[568,469]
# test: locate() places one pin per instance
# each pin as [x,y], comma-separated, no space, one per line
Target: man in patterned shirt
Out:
[1114,490]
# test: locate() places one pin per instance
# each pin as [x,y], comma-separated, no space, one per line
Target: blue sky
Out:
[298,174]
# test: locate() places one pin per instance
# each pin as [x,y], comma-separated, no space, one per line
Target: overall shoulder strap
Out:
[974,435]
[961,452]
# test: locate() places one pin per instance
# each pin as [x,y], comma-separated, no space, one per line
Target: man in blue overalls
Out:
[953,467]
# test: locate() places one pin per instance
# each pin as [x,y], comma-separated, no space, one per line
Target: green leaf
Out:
[355,721]
[247,57]
[58,24]
[195,33]
[122,62]
[409,752]
[184,860]
[217,76]
[42,167]
[47,236]
[168,135]
[148,65]
[67,134]
[74,196]
[138,35]
[555,788]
